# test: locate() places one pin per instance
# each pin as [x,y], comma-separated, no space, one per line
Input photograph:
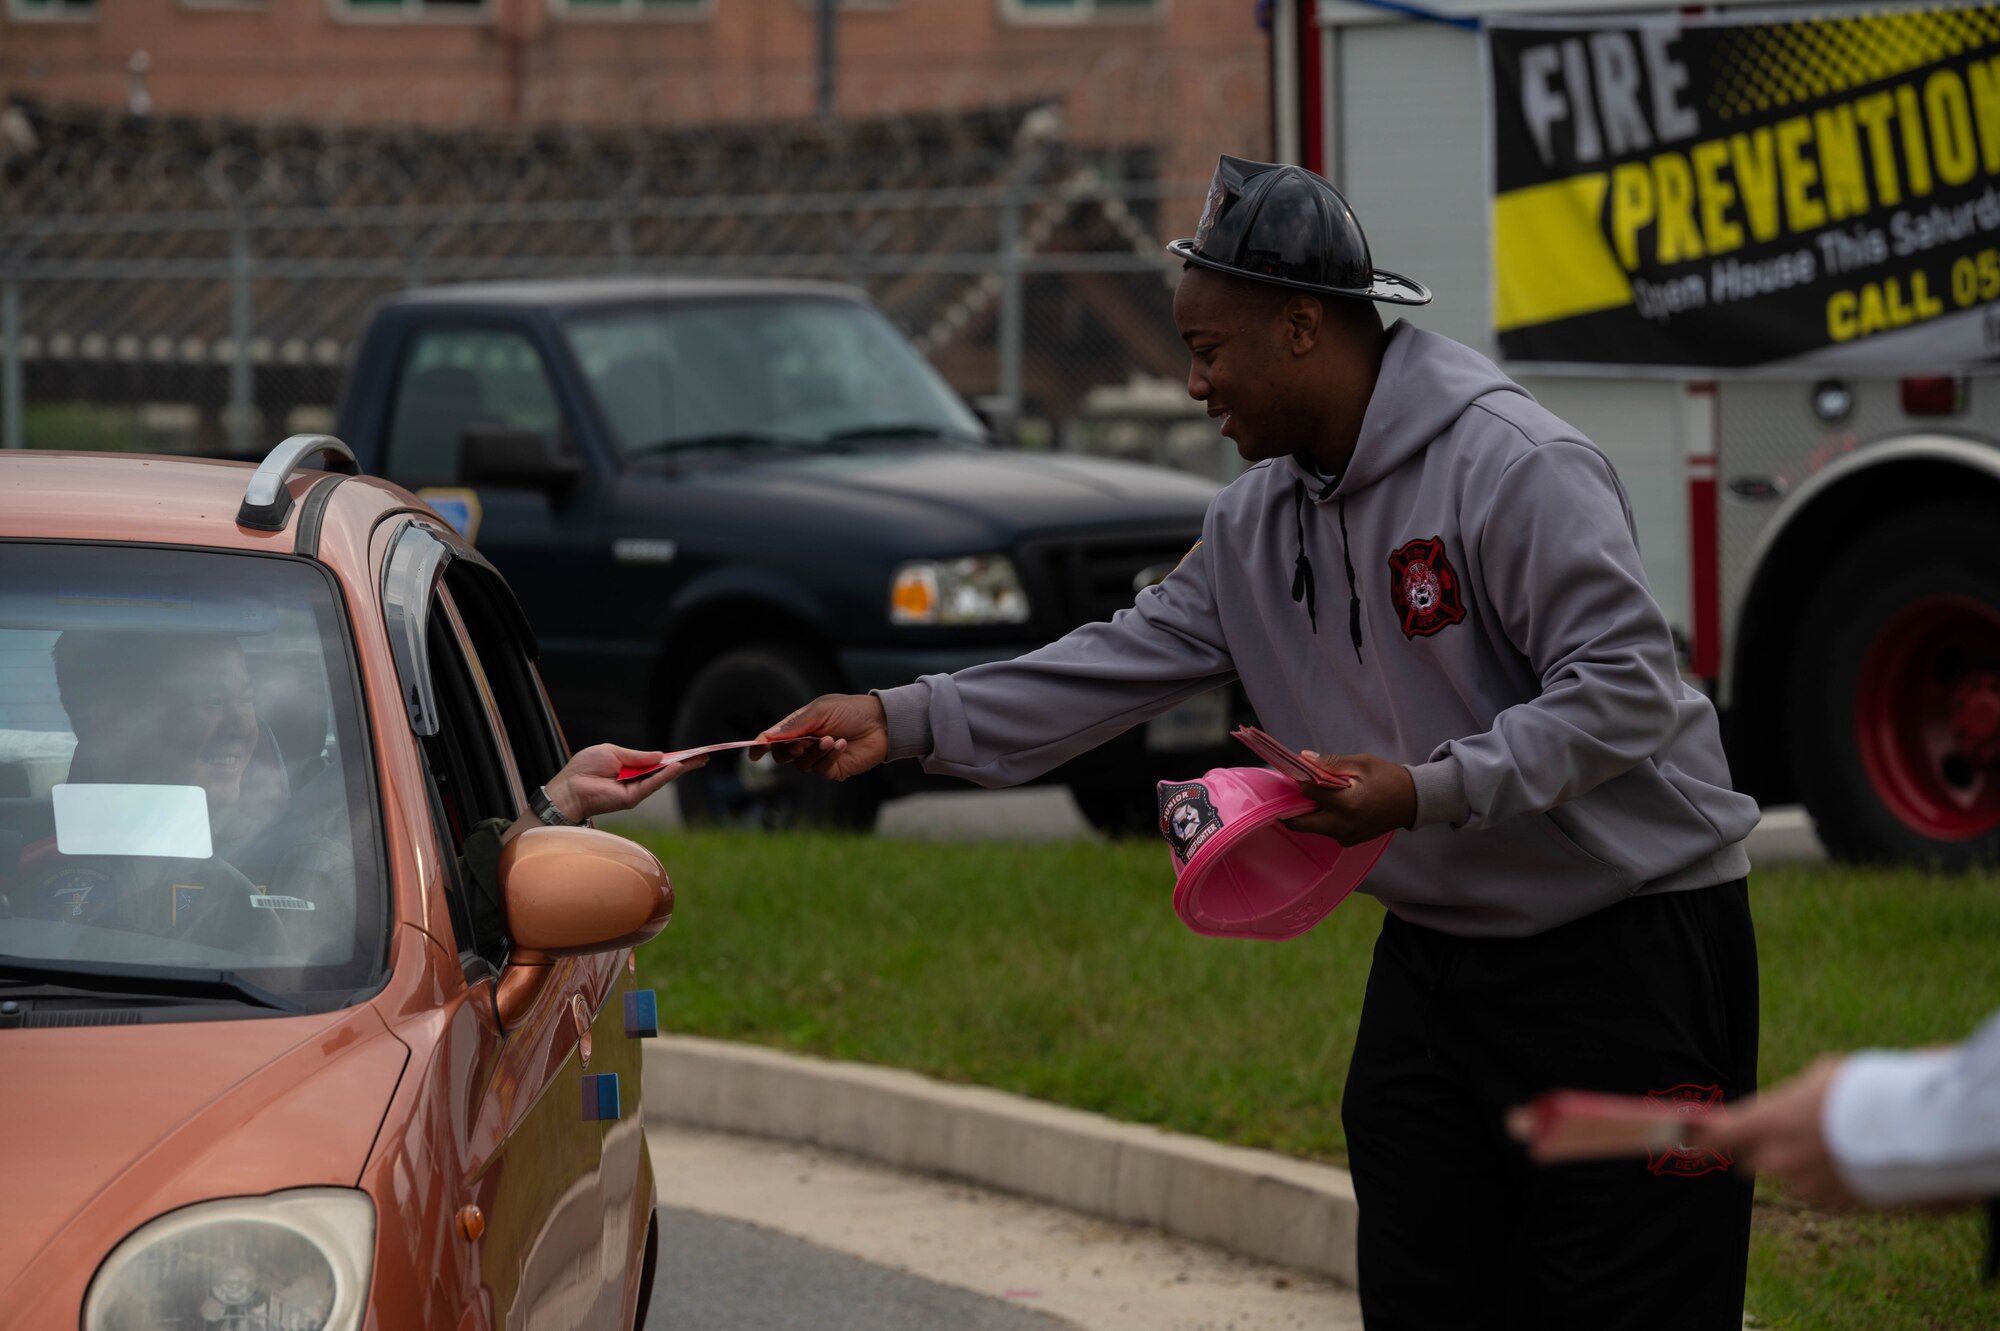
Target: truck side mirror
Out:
[509,455]
[570,891]
[1001,418]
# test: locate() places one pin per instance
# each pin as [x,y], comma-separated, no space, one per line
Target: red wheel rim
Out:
[1927,717]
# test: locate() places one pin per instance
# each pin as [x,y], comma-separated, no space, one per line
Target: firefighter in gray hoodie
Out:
[1430,580]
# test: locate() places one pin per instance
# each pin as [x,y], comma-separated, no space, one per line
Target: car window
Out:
[183,774]
[486,609]
[470,780]
[801,369]
[452,378]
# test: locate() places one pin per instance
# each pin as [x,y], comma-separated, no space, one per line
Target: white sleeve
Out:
[1917,1126]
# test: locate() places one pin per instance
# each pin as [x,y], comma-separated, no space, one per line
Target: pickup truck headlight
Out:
[292,1261]
[977,589]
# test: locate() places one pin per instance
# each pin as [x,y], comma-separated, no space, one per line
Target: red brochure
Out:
[1589,1125]
[638,773]
[1287,761]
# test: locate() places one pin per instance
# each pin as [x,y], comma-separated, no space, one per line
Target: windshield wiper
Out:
[115,977]
[719,439]
[900,430]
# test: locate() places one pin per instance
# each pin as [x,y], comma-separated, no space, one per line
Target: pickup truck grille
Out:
[1091,578]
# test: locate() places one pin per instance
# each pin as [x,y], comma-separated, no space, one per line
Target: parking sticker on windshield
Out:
[262,902]
[100,818]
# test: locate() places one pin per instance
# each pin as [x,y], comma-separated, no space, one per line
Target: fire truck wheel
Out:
[1894,693]
[735,696]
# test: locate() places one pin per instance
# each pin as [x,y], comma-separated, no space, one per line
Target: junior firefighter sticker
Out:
[1426,588]
[1188,817]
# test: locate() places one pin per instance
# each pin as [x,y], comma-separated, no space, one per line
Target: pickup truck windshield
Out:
[183,780]
[798,372]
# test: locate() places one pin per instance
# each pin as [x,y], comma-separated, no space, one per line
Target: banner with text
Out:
[1728,195]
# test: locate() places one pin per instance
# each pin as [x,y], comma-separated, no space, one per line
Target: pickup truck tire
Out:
[1894,693]
[735,696]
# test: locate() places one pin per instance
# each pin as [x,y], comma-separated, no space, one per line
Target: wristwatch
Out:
[546,810]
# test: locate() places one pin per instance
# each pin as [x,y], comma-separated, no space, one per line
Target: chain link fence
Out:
[198,286]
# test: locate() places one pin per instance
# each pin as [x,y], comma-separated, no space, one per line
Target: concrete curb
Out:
[1256,1203]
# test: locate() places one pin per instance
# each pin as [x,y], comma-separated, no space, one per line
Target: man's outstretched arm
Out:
[1009,721]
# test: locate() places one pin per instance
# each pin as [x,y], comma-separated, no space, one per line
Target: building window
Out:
[1079,11]
[633,8]
[52,9]
[413,9]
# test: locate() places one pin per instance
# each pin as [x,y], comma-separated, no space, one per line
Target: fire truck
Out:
[1822,526]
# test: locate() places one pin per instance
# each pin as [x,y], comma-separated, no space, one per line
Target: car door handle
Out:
[579,1015]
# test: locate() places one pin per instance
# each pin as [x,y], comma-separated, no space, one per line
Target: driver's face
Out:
[199,725]
[218,724]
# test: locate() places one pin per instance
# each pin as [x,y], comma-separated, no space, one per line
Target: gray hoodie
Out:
[1495,633]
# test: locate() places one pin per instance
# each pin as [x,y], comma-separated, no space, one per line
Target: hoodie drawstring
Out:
[1353,595]
[1302,568]
[1303,585]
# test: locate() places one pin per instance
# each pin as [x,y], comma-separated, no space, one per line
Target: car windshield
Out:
[183,778]
[795,372]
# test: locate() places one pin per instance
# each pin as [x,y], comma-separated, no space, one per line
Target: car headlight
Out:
[977,589]
[292,1261]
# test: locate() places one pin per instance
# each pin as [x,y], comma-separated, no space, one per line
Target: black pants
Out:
[1654,996]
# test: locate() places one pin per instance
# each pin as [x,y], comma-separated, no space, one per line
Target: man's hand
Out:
[588,783]
[837,735]
[1779,1133]
[1381,799]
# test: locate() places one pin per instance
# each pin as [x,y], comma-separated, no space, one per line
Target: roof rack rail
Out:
[266,502]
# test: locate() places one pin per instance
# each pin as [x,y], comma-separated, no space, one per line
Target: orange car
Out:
[277,1051]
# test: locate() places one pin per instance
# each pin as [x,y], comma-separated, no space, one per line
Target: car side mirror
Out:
[510,455]
[570,891]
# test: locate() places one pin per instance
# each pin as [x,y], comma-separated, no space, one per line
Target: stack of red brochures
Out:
[1288,762]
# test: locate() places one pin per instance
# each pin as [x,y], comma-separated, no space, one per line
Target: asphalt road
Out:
[779,1236]
[723,1275]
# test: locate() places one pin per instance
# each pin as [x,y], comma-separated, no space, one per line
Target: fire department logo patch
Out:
[1426,588]
[1688,1101]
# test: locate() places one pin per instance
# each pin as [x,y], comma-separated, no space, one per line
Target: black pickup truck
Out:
[718,499]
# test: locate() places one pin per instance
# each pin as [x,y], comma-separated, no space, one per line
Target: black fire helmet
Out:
[1290,227]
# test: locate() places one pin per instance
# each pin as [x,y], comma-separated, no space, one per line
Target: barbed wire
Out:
[230,265]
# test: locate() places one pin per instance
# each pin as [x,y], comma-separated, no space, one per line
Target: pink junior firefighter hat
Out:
[1241,873]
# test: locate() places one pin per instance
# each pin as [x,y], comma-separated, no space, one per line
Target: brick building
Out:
[306,157]
[1188,77]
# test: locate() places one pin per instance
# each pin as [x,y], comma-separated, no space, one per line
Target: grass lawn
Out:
[79,425]
[1061,972]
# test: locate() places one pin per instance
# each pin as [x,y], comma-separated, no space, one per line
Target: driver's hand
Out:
[837,735]
[588,784]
